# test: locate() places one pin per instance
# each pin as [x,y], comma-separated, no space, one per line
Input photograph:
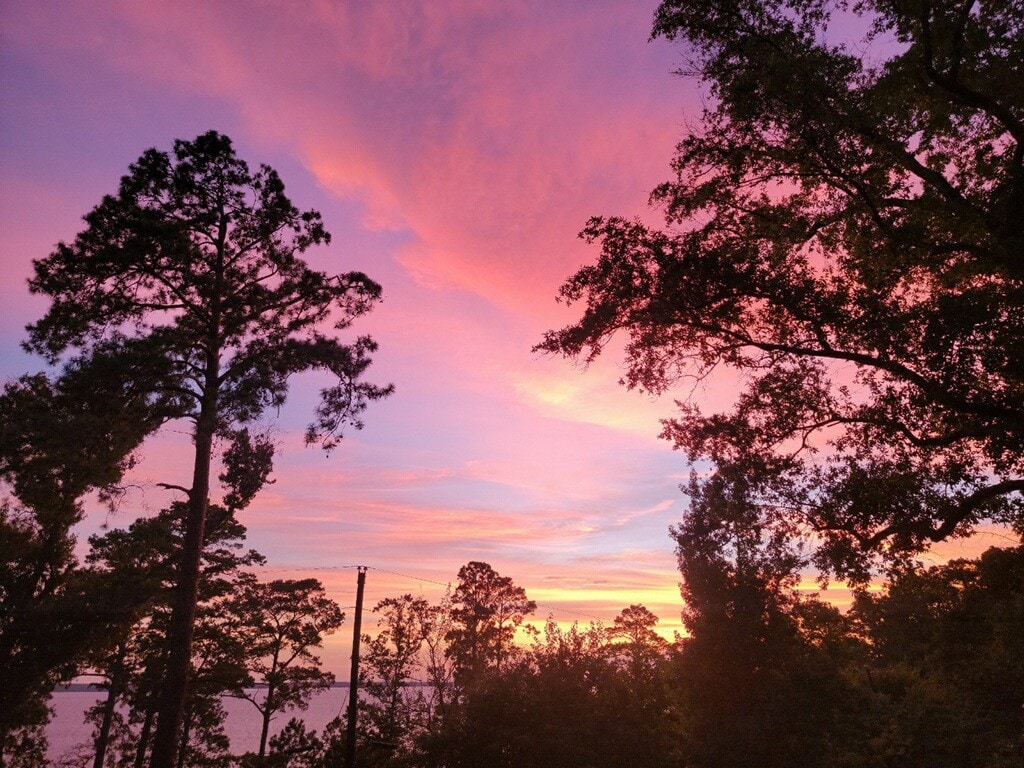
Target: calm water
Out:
[68,728]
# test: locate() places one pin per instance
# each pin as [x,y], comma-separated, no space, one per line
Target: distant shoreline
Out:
[94,687]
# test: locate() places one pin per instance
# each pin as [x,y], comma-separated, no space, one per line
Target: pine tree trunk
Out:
[147,727]
[116,680]
[182,621]
[186,731]
[100,745]
[267,714]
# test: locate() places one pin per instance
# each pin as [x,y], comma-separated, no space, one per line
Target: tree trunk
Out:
[116,680]
[147,727]
[103,735]
[182,621]
[267,714]
[186,730]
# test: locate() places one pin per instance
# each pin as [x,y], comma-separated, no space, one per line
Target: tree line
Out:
[926,671]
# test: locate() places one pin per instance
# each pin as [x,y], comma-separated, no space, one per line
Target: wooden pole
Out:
[353,689]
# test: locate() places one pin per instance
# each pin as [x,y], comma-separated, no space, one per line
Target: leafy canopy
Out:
[844,233]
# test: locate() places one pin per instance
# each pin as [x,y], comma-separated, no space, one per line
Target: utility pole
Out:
[353,686]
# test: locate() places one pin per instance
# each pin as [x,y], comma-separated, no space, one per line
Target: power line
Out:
[410,576]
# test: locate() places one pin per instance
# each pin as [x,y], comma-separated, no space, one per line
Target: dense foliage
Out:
[925,672]
[51,612]
[844,236]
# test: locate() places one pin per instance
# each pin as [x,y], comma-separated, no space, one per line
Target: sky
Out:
[455,149]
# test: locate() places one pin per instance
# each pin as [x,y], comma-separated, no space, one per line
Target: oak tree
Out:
[189,284]
[844,234]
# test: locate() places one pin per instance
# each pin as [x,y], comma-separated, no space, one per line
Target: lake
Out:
[68,728]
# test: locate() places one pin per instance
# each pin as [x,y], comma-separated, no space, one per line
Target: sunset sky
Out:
[454,149]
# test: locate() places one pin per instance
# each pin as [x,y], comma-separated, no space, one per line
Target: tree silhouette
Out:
[844,232]
[486,610]
[280,624]
[948,656]
[52,613]
[140,565]
[187,287]
[755,689]
[633,636]
[391,660]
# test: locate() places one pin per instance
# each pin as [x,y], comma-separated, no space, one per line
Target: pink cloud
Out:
[488,135]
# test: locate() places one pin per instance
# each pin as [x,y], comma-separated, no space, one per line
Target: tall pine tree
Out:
[188,284]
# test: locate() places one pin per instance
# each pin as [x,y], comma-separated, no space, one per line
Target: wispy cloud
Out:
[455,150]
